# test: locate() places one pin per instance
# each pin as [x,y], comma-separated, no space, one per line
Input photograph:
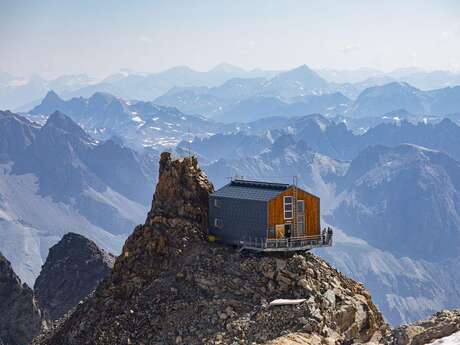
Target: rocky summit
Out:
[440,325]
[171,286]
[20,318]
[74,267]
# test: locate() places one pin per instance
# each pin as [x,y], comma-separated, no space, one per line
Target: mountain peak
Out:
[297,82]
[59,119]
[101,97]
[51,102]
[225,67]
[62,122]
[72,241]
[52,97]
[303,68]
[182,69]
[447,123]
[301,71]
[73,268]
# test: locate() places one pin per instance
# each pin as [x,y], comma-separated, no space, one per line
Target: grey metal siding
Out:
[241,219]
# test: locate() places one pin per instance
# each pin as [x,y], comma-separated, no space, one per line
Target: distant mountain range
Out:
[22,94]
[424,80]
[395,197]
[325,136]
[279,161]
[55,178]
[397,204]
[378,100]
[404,203]
[16,92]
[92,169]
[138,123]
[301,92]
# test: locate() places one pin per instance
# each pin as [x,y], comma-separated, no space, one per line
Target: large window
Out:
[300,217]
[288,207]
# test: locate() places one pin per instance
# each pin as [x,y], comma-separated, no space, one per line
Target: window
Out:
[301,216]
[218,223]
[300,206]
[217,203]
[288,207]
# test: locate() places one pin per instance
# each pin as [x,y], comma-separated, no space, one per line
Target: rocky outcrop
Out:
[440,325]
[73,269]
[182,191]
[20,318]
[170,286]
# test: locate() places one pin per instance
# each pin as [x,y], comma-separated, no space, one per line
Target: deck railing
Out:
[293,243]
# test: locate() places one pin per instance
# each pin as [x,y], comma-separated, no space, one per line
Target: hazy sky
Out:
[100,37]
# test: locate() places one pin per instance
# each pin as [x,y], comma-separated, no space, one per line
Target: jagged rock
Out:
[170,286]
[440,325]
[182,191]
[73,268]
[20,318]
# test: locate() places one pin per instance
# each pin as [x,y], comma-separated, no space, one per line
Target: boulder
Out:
[440,325]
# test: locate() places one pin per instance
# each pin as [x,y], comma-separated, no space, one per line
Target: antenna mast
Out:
[189,144]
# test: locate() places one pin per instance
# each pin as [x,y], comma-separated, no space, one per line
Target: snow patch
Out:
[453,339]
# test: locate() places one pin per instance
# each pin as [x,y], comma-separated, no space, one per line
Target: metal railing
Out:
[293,243]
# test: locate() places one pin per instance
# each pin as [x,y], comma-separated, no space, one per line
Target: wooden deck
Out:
[282,245]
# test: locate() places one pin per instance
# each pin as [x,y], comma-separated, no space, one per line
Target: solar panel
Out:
[259,184]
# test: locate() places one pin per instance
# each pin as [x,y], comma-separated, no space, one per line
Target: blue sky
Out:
[101,37]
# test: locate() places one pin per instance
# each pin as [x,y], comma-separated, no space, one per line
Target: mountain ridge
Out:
[58,180]
[21,317]
[140,124]
[169,257]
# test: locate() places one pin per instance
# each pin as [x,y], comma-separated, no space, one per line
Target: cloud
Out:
[349,48]
[452,32]
[145,39]
[446,34]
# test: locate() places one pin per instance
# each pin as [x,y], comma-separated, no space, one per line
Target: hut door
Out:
[279,229]
[287,230]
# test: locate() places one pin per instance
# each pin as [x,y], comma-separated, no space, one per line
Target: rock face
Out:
[396,196]
[55,179]
[170,286]
[20,318]
[440,325]
[73,269]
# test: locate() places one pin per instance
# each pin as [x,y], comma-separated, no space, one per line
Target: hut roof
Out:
[251,190]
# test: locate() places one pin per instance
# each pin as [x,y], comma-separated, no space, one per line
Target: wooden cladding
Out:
[276,212]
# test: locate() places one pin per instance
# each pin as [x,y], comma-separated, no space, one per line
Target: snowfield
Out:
[453,339]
